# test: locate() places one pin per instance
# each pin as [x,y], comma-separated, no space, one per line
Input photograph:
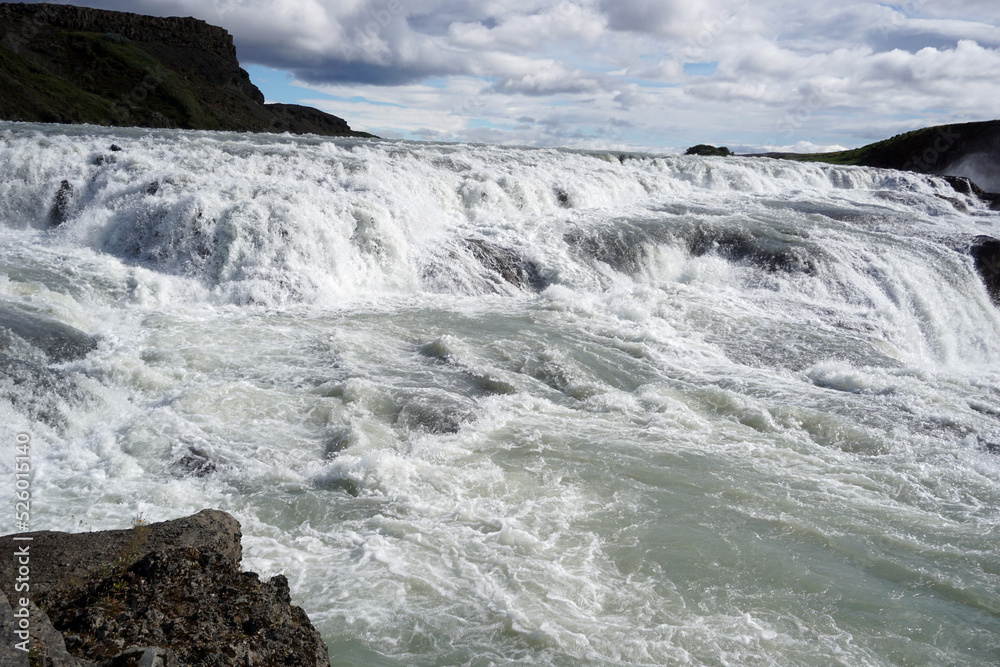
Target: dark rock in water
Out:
[705,149]
[196,463]
[766,253]
[958,204]
[437,349]
[195,603]
[507,265]
[491,386]
[967,186]
[963,185]
[115,148]
[59,341]
[985,250]
[563,198]
[623,246]
[61,204]
[434,414]
[171,592]
[37,391]
[619,246]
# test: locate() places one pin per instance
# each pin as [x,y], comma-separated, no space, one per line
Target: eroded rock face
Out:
[169,593]
[985,250]
[197,603]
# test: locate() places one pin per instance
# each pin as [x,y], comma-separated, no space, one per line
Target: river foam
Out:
[491,405]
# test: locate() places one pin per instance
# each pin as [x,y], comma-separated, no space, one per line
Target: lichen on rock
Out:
[169,593]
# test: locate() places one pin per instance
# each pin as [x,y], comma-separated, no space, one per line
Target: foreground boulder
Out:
[169,593]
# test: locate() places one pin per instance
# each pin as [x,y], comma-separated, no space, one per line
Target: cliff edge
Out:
[67,64]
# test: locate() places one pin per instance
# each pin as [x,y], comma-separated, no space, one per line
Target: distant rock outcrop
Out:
[66,64]
[169,593]
[705,149]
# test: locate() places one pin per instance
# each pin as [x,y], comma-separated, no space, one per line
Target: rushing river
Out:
[494,406]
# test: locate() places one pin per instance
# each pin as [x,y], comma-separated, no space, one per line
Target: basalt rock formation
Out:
[168,594]
[66,64]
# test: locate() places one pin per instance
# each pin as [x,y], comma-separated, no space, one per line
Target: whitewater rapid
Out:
[490,406]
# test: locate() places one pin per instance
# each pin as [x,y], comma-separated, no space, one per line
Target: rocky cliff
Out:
[66,64]
[167,594]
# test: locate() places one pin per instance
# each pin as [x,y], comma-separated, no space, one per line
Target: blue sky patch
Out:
[700,69]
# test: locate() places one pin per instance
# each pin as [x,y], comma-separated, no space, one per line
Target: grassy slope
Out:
[97,80]
[925,150]
[66,76]
[32,93]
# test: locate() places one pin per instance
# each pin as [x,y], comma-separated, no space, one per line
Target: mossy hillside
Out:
[31,93]
[929,150]
[119,71]
[100,78]
[61,63]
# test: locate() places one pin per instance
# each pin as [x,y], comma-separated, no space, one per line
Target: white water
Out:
[731,411]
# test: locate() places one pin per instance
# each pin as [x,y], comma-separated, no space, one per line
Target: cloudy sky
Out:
[656,75]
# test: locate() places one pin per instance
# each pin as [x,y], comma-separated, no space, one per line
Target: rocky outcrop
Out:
[66,64]
[60,342]
[985,251]
[507,266]
[169,593]
[707,150]
[45,644]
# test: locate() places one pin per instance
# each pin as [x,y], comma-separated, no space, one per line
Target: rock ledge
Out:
[168,594]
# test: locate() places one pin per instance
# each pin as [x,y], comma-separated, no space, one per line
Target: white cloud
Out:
[779,71]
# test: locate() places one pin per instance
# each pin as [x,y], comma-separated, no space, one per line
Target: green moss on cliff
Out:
[66,64]
[31,93]
[927,150]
